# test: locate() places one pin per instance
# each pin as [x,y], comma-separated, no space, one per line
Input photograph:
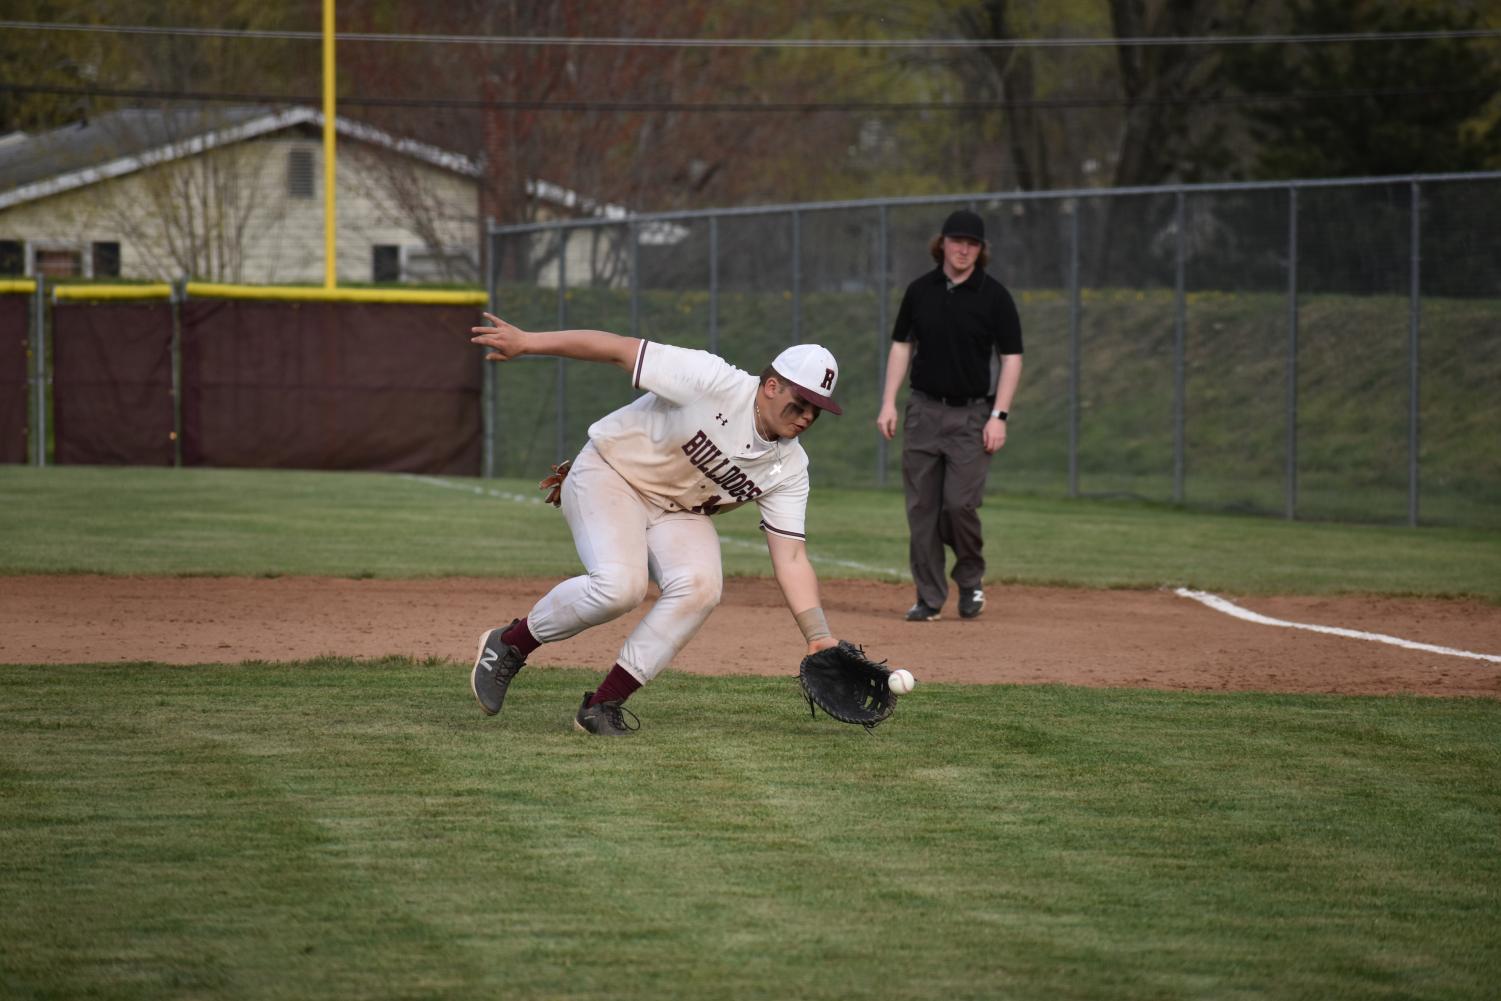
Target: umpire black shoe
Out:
[971,603]
[494,666]
[606,719]
[922,613]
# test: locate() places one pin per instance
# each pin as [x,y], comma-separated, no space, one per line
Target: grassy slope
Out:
[1352,394]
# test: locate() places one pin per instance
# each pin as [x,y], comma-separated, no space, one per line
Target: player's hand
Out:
[994,435]
[886,421]
[822,644]
[504,341]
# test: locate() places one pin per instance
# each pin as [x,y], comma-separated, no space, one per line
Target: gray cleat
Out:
[495,665]
[606,719]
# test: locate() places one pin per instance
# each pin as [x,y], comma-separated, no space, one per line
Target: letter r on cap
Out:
[828,378]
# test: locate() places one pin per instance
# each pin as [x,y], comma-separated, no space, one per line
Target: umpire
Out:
[959,333]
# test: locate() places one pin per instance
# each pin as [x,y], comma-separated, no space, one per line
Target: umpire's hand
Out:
[994,435]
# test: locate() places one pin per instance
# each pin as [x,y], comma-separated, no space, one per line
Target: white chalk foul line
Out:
[433,481]
[1230,608]
[815,557]
[743,543]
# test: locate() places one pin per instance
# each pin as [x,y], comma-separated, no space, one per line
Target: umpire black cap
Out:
[963,222]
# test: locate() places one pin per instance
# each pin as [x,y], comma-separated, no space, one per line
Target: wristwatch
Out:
[1001,414]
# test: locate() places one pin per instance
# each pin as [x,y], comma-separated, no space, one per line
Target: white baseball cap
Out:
[813,372]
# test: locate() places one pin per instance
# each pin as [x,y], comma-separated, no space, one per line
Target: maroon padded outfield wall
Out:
[15,311]
[112,383]
[374,386]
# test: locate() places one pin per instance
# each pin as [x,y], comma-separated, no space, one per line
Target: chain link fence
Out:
[1311,349]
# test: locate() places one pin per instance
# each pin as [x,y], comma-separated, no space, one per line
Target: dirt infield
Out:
[1136,639]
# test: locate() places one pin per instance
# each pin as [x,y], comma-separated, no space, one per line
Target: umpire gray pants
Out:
[944,465]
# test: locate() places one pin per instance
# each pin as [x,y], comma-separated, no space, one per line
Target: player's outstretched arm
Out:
[506,342]
[799,584]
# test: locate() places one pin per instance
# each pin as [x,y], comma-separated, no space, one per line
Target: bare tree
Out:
[554,112]
[1011,74]
[1170,91]
[400,188]
[195,207]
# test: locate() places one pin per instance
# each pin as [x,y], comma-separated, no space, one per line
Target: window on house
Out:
[107,260]
[12,257]
[59,263]
[300,173]
[386,263]
[450,264]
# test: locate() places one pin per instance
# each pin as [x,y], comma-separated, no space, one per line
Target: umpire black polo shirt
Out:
[956,331]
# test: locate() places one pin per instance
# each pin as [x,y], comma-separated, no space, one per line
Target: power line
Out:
[1055,104]
[769,43]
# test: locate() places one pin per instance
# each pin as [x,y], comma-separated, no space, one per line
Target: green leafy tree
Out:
[44,74]
[1373,107]
[50,78]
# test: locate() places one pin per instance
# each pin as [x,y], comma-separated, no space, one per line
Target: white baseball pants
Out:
[623,539]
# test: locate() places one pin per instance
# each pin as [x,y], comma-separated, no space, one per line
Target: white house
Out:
[233,194]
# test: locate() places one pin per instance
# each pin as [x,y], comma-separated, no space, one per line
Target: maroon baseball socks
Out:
[617,686]
[520,637]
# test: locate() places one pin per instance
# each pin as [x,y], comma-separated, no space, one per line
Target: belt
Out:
[954,401]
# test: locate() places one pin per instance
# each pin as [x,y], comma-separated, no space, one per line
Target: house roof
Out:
[122,142]
[654,233]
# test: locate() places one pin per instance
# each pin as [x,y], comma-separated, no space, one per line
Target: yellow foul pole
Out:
[330,243]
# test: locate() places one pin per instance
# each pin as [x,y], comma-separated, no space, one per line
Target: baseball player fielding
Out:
[640,496]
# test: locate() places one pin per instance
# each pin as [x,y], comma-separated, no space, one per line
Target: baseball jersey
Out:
[691,444]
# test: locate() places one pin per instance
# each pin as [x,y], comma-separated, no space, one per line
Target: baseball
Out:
[901,681]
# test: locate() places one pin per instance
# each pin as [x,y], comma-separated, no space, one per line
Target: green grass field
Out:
[355,829]
[244,522]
